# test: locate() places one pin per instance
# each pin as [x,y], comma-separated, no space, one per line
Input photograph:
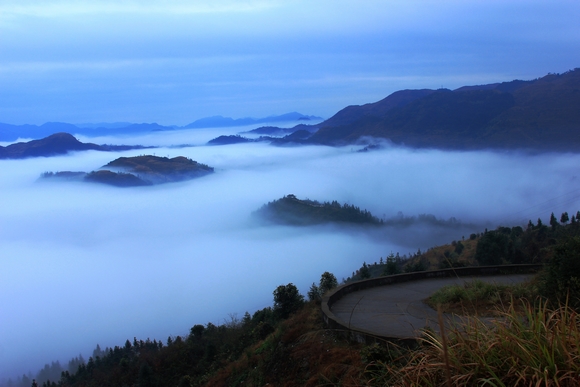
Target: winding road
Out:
[398,310]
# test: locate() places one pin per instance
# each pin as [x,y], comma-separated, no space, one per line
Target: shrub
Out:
[562,278]
[542,348]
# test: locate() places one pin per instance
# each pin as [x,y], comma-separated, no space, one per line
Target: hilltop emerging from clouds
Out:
[542,114]
[539,115]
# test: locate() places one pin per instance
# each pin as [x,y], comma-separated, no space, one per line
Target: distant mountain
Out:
[104,125]
[10,132]
[276,131]
[221,122]
[128,129]
[138,171]
[228,140]
[14,132]
[542,114]
[55,144]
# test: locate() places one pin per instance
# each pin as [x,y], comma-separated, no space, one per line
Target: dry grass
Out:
[479,298]
[540,347]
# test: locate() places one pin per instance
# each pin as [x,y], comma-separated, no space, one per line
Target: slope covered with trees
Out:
[287,345]
[541,114]
[139,171]
[55,144]
[301,212]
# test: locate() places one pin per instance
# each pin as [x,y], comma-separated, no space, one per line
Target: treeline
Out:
[208,350]
[180,361]
[305,212]
[553,243]
[293,211]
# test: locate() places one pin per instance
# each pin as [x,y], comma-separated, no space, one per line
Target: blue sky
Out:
[175,61]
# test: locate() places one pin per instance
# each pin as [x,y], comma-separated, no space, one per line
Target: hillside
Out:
[56,144]
[293,211]
[139,171]
[160,169]
[540,115]
[287,344]
[220,121]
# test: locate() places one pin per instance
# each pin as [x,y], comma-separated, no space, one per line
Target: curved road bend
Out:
[398,310]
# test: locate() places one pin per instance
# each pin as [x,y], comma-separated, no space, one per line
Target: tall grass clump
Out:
[480,298]
[539,347]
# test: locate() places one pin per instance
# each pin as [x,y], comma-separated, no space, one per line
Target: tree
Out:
[327,282]
[364,271]
[185,381]
[287,300]
[564,218]
[146,376]
[553,221]
[392,266]
[459,248]
[313,293]
[563,275]
[493,248]
[196,331]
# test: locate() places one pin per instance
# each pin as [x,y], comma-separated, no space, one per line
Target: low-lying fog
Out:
[84,264]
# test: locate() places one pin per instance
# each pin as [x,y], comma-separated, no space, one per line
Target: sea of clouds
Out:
[85,264]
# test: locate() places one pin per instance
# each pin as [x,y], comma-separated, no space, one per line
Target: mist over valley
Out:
[87,264]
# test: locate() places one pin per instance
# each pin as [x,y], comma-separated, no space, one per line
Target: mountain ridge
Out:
[9,132]
[542,114]
[56,144]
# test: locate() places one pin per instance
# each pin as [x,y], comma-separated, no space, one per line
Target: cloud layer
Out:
[85,264]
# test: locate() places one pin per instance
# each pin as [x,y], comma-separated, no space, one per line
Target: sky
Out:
[175,61]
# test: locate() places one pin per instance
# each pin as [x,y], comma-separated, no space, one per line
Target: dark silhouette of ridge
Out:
[56,144]
[542,114]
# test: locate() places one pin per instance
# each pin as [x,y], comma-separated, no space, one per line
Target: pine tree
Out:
[392,266]
[313,293]
[364,271]
[553,221]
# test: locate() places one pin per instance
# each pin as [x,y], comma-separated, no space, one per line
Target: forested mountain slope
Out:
[543,114]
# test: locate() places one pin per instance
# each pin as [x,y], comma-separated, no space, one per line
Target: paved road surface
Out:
[398,310]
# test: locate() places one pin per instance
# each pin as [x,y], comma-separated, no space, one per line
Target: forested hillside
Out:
[541,114]
[293,211]
[286,344]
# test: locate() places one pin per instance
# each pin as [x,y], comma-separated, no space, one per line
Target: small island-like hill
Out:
[160,169]
[302,212]
[140,171]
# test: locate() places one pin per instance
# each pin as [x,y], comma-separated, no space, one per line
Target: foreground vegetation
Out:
[540,346]
[479,298]
[534,339]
